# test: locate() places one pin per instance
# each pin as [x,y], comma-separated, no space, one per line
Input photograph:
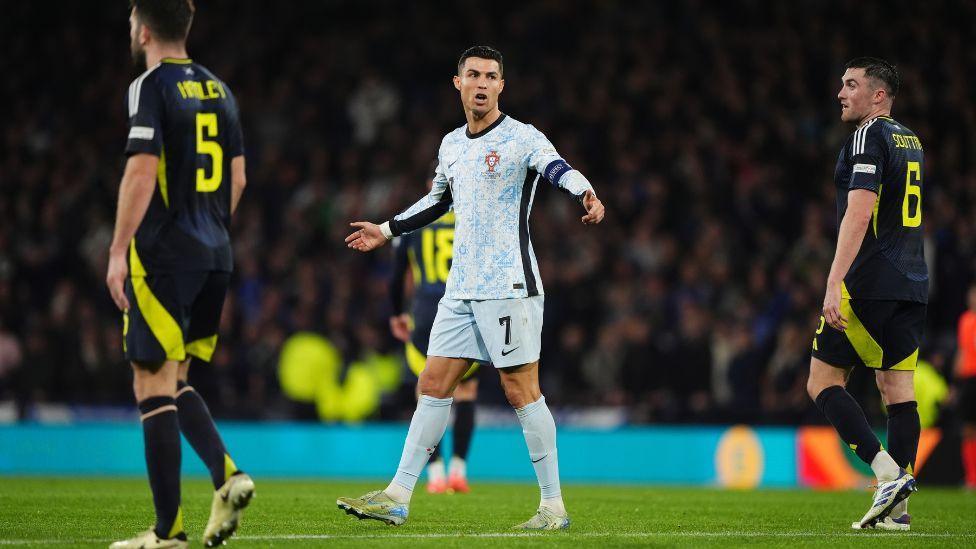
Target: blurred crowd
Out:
[710,131]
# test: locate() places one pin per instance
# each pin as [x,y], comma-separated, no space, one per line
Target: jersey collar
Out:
[494,125]
[176,60]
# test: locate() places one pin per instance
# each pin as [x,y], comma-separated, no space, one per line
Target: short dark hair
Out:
[169,20]
[878,69]
[482,52]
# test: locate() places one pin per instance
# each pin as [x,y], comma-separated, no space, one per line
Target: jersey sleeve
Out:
[545,160]
[428,209]
[146,112]
[869,152]
[400,263]
[235,135]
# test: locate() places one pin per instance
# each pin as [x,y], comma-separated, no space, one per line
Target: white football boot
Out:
[225,511]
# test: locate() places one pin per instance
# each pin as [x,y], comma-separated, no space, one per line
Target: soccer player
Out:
[966,381]
[492,309]
[170,260]
[427,253]
[877,289]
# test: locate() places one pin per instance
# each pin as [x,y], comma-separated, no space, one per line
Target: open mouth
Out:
[481,97]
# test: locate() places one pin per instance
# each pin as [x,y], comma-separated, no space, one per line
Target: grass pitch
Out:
[92,512]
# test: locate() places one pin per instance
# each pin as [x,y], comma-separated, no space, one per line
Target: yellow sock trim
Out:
[177,523]
[229,467]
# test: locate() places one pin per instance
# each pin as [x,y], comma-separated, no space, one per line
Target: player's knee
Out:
[153,379]
[519,396]
[895,387]
[434,386]
[815,386]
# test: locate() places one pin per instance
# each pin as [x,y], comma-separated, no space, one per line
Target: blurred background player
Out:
[426,254]
[170,260]
[877,289]
[966,383]
[492,307]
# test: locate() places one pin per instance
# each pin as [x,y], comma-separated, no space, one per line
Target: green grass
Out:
[91,512]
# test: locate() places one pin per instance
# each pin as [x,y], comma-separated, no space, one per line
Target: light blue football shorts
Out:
[504,332]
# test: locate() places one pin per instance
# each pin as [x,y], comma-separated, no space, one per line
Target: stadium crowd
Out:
[710,131]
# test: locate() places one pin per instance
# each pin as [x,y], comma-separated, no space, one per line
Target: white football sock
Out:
[435,470]
[884,467]
[540,436]
[458,467]
[426,429]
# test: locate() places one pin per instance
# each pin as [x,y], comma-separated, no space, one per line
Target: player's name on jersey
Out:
[191,89]
[906,142]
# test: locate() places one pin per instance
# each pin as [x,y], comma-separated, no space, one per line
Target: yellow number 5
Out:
[207,127]
[910,219]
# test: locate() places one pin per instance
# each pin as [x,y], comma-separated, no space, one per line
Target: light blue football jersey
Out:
[490,180]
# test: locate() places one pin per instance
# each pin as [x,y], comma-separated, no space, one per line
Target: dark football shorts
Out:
[174,315]
[967,399]
[881,334]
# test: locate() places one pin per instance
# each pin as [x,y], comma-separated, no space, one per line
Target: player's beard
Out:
[138,55]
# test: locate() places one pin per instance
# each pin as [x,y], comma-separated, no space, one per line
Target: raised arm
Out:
[544,159]
[425,211]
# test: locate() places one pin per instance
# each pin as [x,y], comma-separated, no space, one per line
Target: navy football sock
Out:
[161,432]
[198,427]
[904,429]
[463,427]
[848,419]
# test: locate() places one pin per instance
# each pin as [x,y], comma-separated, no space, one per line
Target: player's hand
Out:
[400,327]
[594,208]
[118,269]
[831,308]
[367,238]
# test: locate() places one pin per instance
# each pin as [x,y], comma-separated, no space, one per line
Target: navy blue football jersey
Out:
[885,157]
[182,113]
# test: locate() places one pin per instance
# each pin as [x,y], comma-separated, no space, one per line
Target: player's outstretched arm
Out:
[371,236]
[367,238]
[424,212]
[545,160]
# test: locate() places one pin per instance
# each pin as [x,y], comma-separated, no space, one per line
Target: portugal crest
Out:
[491,160]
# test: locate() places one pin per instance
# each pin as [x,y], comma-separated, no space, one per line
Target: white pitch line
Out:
[502,535]
[600,535]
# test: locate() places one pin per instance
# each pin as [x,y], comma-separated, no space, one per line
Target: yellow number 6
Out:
[909,219]
[207,127]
